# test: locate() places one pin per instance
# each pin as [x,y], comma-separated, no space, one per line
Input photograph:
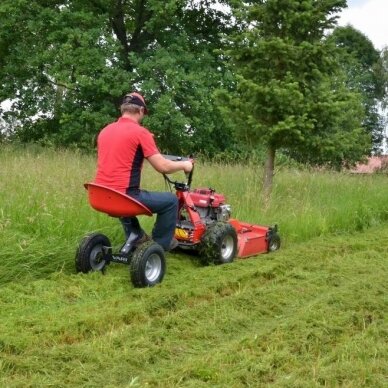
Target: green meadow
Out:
[312,314]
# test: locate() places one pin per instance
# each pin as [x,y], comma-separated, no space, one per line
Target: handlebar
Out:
[177,158]
[189,175]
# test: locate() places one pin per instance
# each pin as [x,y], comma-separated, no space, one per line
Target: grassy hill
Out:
[313,313]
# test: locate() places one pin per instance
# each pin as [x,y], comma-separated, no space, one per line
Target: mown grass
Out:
[313,313]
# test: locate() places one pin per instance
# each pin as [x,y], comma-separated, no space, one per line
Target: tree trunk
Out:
[120,30]
[268,173]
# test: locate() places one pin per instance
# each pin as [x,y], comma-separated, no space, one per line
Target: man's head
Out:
[134,104]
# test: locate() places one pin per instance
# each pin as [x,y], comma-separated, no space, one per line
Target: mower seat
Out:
[113,202]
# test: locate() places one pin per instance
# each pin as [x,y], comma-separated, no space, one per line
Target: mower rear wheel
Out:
[90,254]
[219,244]
[274,243]
[148,265]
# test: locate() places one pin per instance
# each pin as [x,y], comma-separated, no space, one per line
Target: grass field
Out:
[312,314]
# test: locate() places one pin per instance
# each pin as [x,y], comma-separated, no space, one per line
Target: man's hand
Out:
[188,165]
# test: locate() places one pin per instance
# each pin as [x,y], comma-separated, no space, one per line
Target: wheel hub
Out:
[97,261]
[153,267]
[227,247]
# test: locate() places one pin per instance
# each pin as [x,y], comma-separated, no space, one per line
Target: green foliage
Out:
[290,93]
[384,75]
[68,63]
[313,313]
[56,71]
[183,115]
[363,67]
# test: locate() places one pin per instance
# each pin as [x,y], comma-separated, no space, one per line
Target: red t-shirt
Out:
[122,147]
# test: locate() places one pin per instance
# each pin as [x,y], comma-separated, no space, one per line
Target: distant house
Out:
[374,164]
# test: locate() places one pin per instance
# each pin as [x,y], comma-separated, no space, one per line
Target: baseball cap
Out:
[136,99]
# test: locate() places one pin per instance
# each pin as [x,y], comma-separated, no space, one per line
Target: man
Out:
[122,147]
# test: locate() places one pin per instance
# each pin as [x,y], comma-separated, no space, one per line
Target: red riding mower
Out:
[203,225]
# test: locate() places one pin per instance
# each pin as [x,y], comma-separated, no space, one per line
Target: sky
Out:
[369,17]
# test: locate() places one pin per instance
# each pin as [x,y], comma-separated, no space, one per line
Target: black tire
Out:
[148,265]
[90,253]
[219,244]
[274,243]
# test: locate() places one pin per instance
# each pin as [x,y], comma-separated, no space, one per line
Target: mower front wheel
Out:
[219,244]
[91,253]
[148,265]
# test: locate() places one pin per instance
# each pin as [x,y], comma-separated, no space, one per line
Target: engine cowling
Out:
[210,205]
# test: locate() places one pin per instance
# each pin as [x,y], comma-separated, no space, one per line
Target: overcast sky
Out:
[370,17]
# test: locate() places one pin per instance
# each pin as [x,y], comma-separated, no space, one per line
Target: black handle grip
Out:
[190,176]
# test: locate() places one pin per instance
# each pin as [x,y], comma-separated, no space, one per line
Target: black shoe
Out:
[173,244]
[144,238]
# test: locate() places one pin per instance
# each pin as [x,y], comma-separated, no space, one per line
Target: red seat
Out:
[113,202]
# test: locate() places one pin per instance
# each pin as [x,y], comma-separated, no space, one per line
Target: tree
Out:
[69,61]
[290,95]
[180,72]
[384,104]
[55,69]
[364,74]
[384,70]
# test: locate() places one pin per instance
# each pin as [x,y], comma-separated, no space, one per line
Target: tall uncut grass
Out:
[312,314]
[44,210]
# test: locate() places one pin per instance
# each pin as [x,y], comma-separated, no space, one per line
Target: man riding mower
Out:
[203,224]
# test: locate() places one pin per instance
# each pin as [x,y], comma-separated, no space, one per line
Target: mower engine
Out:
[210,205]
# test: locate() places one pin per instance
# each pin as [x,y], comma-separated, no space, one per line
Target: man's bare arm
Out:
[166,166]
